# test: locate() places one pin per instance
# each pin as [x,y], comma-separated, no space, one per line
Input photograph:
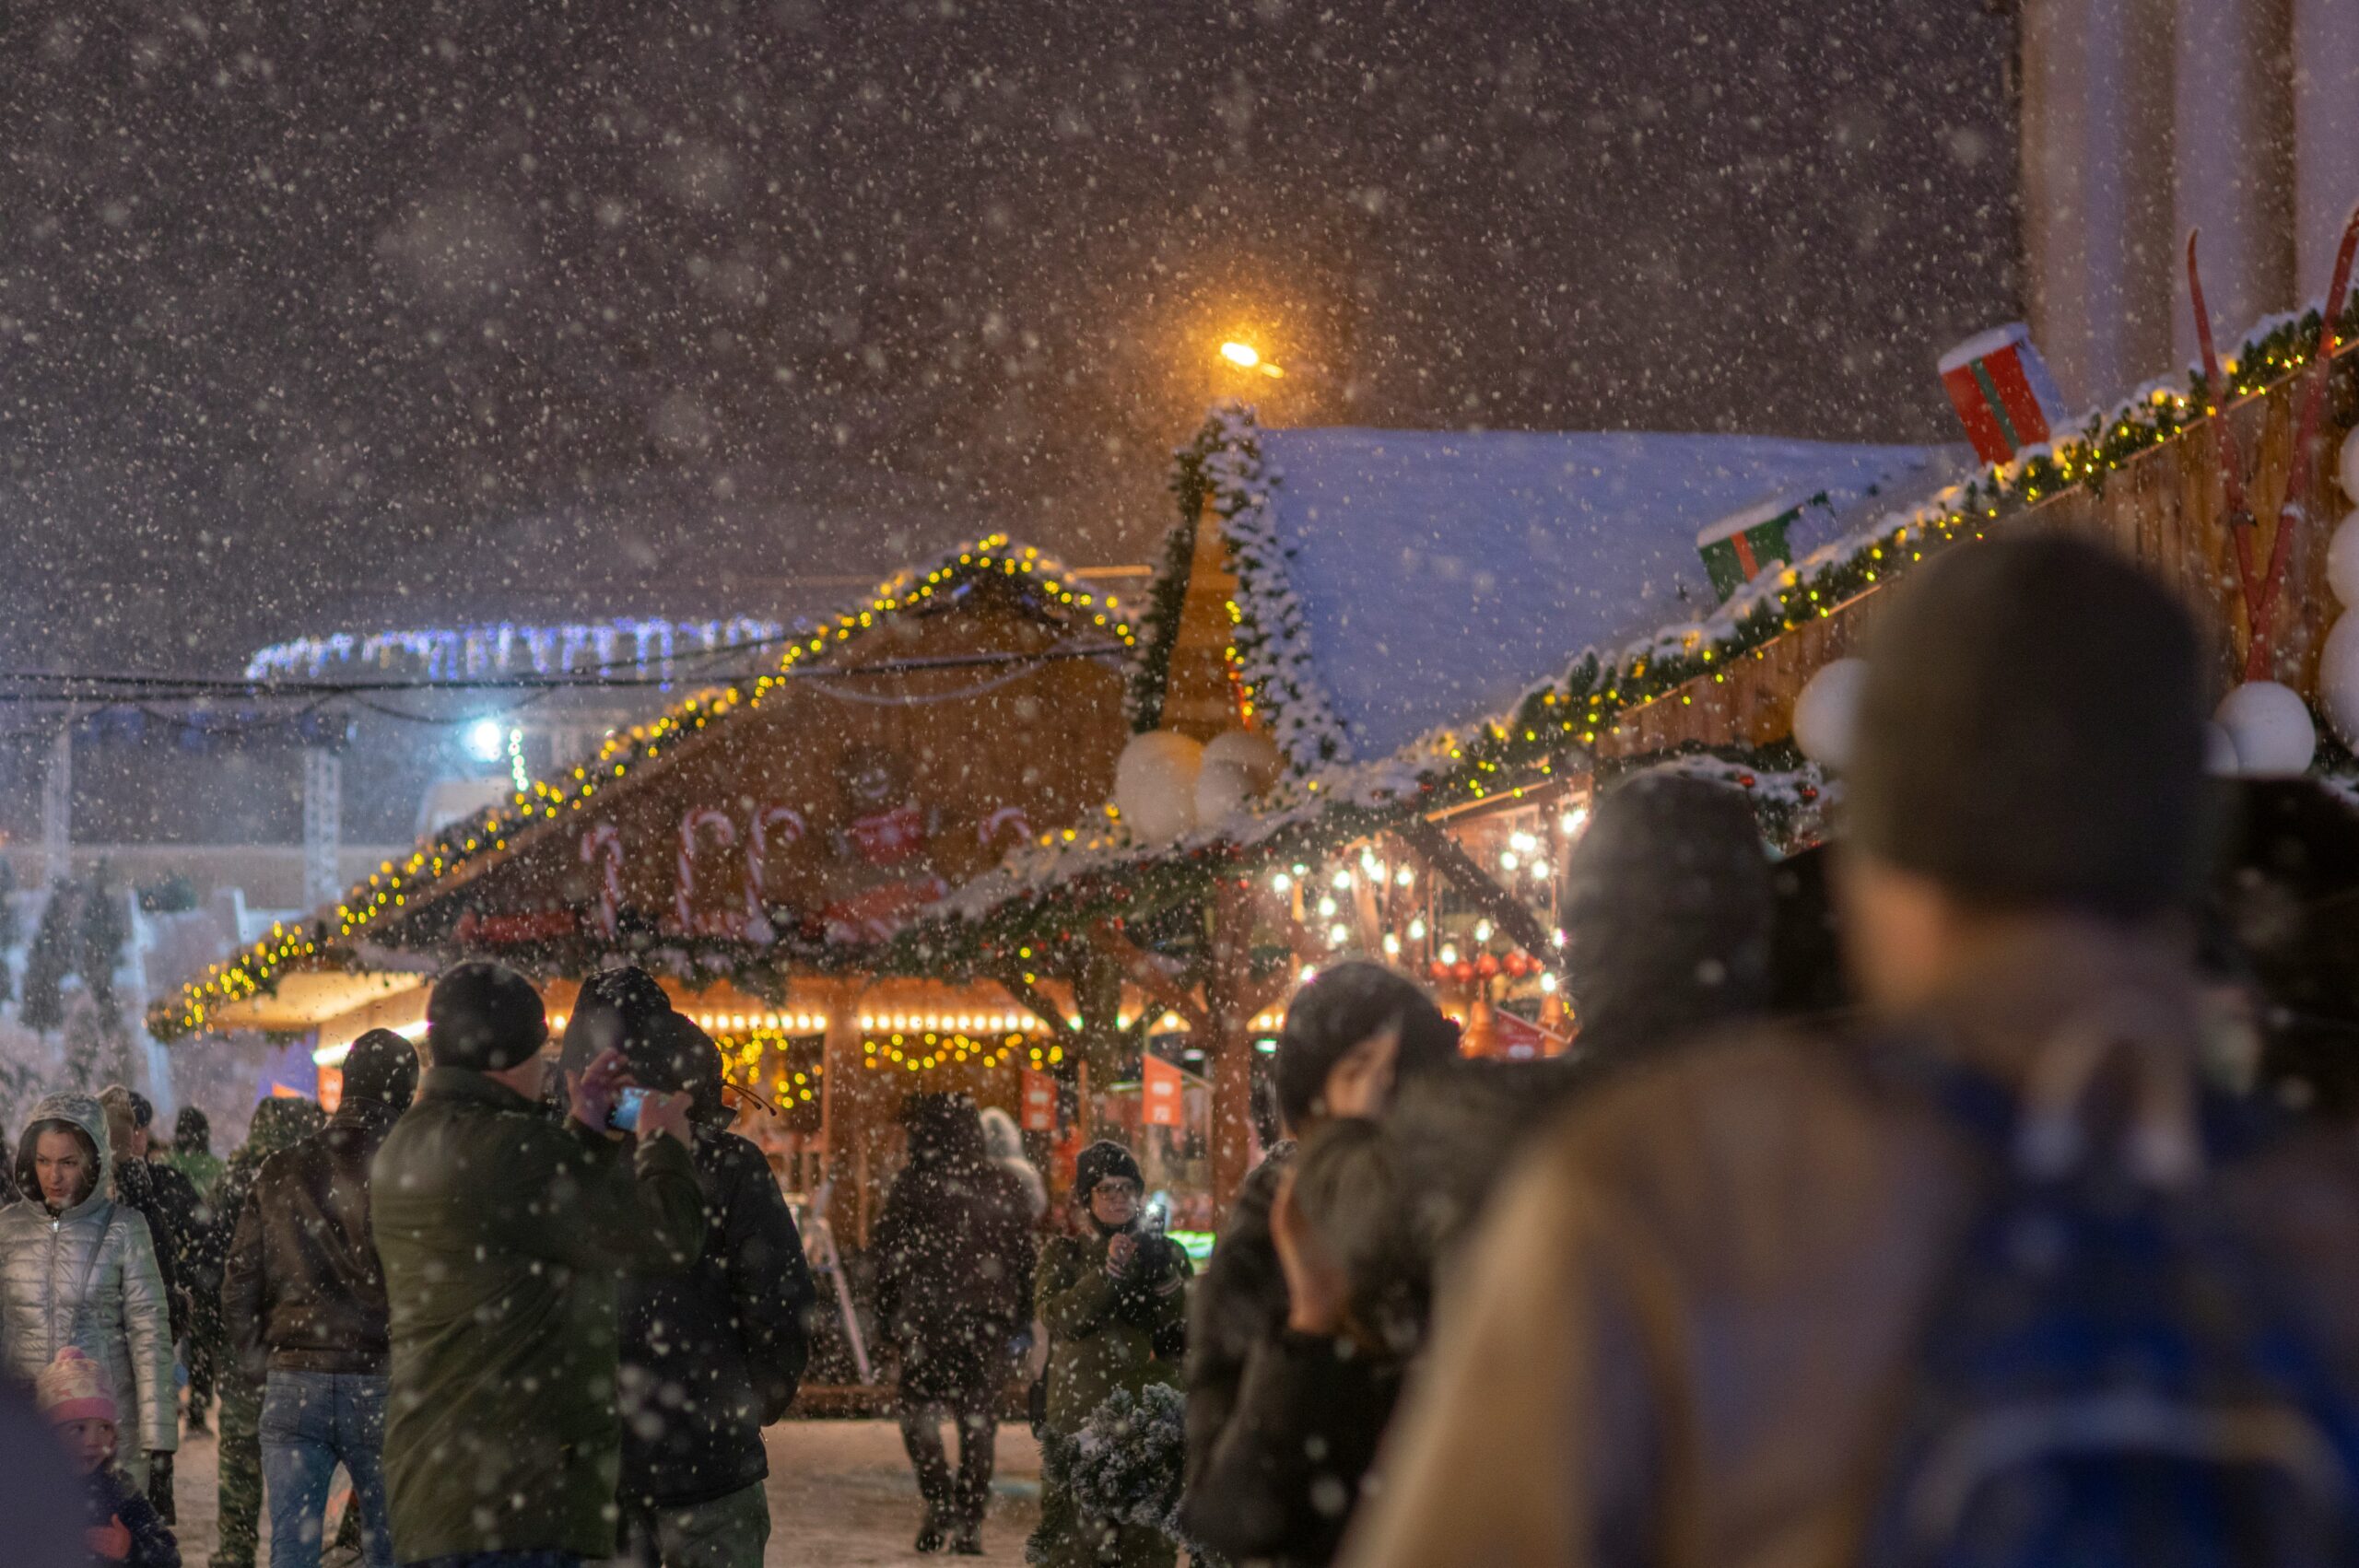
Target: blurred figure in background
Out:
[279,1122]
[304,1305]
[1004,1141]
[165,1200]
[77,1269]
[1691,1325]
[1281,1484]
[1350,1038]
[192,1155]
[710,1356]
[37,1485]
[954,1257]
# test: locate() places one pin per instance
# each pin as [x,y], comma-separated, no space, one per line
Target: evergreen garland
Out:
[1148,679]
[1126,1463]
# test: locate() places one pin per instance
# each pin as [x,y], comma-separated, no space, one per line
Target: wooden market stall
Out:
[1448,641]
[758,847]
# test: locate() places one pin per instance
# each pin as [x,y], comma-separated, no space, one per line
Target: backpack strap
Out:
[2227,1127]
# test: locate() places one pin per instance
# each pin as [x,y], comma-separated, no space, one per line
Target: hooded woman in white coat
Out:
[77,1267]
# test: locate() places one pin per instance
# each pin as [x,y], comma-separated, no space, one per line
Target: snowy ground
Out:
[841,1496]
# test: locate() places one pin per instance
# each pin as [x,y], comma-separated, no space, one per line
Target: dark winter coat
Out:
[1103,1331]
[279,1123]
[134,1188]
[502,1234]
[711,1357]
[186,1219]
[303,1290]
[955,1259]
[1282,1481]
[1240,1301]
[112,1503]
[1683,1330]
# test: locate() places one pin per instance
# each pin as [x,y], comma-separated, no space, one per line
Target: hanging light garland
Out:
[388,890]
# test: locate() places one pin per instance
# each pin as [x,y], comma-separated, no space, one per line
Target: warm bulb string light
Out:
[388,891]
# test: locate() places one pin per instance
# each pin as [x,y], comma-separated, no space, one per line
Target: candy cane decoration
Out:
[725,835]
[603,847]
[790,825]
[1002,820]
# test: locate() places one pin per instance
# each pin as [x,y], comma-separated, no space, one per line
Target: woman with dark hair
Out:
[78,1269]
[1352,1039]
[1315,1398]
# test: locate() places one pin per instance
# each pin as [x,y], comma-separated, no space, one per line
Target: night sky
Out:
[372,313]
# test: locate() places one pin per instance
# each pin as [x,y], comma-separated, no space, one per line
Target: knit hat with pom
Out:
[74,1388]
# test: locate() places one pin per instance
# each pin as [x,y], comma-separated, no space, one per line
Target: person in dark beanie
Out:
[1110,1296]
[615,1010]
[304,1305]
[192,1153]
[710,1356]
[954,1257]
[1349,1038]
[1692,1315]
[1666,906]
[501,1233]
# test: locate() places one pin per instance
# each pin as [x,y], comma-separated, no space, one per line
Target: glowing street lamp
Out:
[1245,357]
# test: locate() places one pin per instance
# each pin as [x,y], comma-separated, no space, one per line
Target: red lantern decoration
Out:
[1462,971]
[1486,965]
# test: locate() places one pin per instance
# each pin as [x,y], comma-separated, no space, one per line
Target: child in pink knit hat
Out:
[74,1394]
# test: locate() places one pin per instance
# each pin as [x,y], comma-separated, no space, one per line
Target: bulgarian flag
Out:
[1736,548]
[2002,391]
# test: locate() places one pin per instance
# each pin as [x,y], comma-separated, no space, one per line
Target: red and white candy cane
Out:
[788,826]
[694,824]
[999,822]
[603,847]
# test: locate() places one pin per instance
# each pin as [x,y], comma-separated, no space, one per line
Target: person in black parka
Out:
[954,1255]
[710,1356]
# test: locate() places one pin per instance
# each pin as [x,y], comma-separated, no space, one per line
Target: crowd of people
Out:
[1985,1196]
[533,1320]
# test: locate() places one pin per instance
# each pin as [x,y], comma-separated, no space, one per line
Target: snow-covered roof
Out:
[1411,581]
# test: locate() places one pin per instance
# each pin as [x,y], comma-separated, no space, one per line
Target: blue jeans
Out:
[310,1421]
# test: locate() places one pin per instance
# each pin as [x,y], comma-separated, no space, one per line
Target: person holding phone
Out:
[1115,1300]
[502,1234]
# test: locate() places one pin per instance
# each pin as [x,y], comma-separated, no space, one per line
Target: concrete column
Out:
[322,826]
[2326,133]
[57,808]
[2231,145]
[2096,141]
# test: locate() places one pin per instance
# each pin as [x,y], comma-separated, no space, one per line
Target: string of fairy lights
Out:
[388,889]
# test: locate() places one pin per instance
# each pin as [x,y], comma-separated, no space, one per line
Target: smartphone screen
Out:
[624,1118]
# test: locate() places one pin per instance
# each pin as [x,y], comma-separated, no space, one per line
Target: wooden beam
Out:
[1142,971]
[1511,914]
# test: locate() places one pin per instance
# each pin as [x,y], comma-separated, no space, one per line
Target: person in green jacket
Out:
[502,1232]
[1114,1299]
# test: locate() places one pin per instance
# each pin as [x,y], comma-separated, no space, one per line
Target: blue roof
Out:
[1439,575]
